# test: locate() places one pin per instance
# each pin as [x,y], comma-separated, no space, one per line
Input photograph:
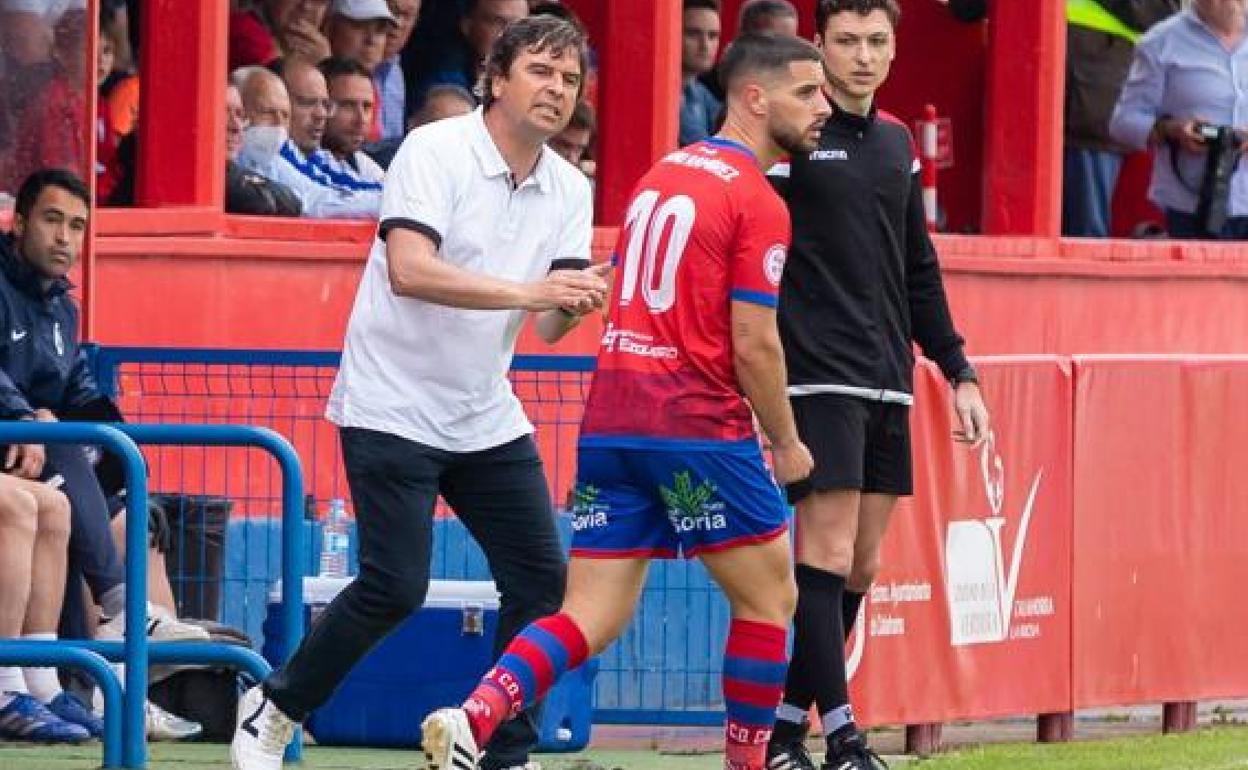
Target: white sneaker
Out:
[165,726]
[261,735]
[448,742]
[161,627]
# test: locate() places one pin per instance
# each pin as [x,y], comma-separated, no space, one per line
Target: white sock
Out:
[788,713]
[837,718]
[41,681]
[11,680]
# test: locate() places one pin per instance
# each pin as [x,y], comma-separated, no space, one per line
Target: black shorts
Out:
[857,444]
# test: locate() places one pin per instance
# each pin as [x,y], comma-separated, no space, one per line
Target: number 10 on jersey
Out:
[657,236]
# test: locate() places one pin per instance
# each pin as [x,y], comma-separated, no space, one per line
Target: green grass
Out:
[1223,748]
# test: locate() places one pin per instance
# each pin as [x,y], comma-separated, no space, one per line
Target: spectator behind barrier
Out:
[388,77]
[463,61]
[768,17]
[278,29]
[247,192]
[351,93]
[442,101]
[573,142]
[699,108]
[299,162]
[1099,47]
[49,129]
[357,29]
[1184,98]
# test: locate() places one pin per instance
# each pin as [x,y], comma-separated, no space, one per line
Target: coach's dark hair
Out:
[337,66]
[700,5]
[534,34]
[44,178]
[826,9]
[761,53]
[755,13]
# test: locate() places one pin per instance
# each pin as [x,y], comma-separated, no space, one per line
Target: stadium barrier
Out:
[975,613]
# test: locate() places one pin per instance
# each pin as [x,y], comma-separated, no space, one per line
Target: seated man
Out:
[43,374]
[572,143]
[300,161]
[441,102]
[247,192]
[34,532]
[351,92]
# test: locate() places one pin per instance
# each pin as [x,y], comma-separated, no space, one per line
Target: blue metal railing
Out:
[134,650]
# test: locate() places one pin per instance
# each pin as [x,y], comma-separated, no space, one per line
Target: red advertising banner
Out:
[1161,529]
[969,616]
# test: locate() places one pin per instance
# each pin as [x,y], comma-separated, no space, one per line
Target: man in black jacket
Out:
[861,283]
[44,373]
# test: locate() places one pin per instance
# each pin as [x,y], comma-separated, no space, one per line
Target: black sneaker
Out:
[789,756]
[851,752]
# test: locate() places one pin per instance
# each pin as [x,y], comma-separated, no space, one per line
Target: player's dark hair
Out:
[826,9]
[534,34]
[755,54]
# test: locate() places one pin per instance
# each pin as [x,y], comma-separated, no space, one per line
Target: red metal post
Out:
[181,158]
[1023,135]
[86,281]
[639,97]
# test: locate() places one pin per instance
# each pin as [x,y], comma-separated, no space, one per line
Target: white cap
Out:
[364,10]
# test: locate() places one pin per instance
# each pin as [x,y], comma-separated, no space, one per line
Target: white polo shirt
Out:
[433,374]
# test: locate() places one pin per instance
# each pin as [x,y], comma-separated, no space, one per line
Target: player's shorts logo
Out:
[773,263]
[587,511]
[693,508]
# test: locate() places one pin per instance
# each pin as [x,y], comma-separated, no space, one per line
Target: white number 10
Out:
[646,227]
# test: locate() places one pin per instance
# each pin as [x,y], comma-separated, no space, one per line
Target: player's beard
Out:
[792,140]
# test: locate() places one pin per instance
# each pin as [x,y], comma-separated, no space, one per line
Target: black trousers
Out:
[500,495]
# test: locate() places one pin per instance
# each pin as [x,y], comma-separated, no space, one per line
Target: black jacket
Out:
[862,280]
[41,364]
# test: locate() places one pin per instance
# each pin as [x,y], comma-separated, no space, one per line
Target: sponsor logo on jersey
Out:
[830,155]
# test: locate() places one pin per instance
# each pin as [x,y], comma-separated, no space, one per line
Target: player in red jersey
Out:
[668,460]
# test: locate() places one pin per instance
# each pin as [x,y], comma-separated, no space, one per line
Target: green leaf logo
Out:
[685,498]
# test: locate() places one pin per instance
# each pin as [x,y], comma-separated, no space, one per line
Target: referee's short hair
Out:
[760,54]
[534,34]
[826,9]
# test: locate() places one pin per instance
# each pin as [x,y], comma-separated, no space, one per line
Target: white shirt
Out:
[321,197]
[434,374]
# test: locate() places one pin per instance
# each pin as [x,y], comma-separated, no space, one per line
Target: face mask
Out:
[263,142]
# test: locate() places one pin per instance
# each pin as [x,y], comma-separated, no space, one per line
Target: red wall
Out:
[1011,295]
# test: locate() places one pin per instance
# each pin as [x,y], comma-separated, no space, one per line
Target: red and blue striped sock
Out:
[754,667]
[528,668]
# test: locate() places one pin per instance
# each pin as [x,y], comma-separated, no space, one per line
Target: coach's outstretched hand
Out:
[577,290]
[792,461]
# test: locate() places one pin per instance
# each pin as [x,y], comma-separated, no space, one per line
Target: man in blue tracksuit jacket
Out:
[44,375]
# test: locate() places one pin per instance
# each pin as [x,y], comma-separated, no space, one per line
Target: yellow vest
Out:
[1090,14]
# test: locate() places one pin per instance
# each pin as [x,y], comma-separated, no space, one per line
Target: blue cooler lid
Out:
[443,594]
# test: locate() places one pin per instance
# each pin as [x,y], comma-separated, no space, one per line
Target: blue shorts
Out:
[686,498]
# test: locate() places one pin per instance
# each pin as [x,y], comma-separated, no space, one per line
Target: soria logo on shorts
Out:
[693,508]
[587,511]
[981,587]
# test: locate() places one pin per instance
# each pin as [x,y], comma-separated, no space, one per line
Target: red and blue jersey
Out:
[704,228]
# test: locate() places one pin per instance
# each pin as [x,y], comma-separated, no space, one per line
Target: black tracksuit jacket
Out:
[861,281]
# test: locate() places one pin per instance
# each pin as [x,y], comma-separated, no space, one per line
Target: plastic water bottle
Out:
[335,541]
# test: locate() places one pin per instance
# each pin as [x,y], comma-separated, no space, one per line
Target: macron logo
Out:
[829,155]
[18,335]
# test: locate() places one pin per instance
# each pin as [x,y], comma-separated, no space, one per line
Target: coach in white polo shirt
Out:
[480,224]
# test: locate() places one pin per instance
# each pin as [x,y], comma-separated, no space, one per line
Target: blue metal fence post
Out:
[134,748]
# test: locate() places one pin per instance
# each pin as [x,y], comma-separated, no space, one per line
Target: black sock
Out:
[817,670]
[850,602]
